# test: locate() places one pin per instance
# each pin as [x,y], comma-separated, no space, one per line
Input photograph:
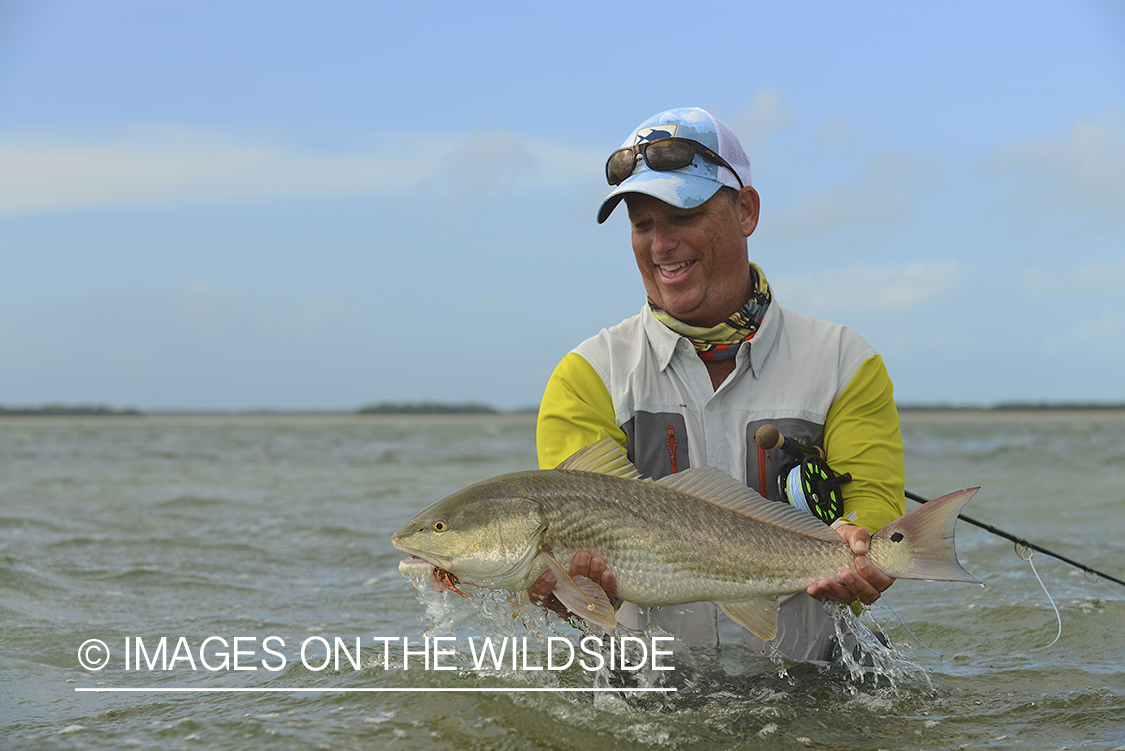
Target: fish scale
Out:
[676,557]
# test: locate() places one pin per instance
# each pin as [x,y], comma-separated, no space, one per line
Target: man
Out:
[710,358]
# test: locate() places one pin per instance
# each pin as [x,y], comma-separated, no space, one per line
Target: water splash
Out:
[865,655]
[869,653]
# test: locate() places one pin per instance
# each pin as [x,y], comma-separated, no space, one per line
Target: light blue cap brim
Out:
[677,188]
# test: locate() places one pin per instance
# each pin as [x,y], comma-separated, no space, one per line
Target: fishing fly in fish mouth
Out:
[696,536]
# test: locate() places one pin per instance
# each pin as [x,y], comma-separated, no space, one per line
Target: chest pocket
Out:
[658,443]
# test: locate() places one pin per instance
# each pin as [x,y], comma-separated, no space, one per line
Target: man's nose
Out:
[664,238]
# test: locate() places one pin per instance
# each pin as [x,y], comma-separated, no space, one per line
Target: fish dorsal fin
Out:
[603,457]
[714,486]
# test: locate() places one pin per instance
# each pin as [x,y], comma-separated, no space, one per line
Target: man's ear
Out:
[747,208]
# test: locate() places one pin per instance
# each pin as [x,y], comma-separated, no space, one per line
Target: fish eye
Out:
[439,525]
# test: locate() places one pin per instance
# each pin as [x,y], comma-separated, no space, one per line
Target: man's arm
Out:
[862,437]
[575,412]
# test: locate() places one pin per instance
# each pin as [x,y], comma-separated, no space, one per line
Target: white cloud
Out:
[1089,279]
[865,289]
[490,163]
[887,191]
[1078,172]
[1099,337]
[765,116]
[162,166]
[201,308]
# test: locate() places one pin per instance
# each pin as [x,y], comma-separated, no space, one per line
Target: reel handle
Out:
[769,437]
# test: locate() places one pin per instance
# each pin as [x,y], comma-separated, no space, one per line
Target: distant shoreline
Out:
[1017,407]
[61,410]
[421,409]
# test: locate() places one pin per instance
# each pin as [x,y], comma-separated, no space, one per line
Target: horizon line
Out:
[364,689]
[424,409]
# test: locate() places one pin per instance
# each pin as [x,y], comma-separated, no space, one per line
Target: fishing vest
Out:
[789,375]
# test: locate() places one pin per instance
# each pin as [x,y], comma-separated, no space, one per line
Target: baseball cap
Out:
[689,186]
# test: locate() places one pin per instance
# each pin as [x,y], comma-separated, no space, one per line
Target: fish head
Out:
[487,534]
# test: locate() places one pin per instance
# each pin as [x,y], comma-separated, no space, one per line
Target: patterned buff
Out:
[721,342]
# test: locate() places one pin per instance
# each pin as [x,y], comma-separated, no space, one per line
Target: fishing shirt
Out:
[818,382]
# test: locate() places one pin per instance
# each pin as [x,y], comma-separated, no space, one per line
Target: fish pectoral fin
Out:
[586,600]
[581,596]
[758,616]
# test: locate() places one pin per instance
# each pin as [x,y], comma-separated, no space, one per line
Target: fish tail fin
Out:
[920,544]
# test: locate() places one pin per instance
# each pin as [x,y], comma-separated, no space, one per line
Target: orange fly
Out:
[444,580]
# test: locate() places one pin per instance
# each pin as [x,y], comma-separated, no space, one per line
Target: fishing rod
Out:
[768,437]
[1024,543]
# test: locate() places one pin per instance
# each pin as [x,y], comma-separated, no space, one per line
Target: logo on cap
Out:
[656,133]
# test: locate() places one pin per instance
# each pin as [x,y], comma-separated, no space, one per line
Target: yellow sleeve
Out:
[576,411]
[862,437]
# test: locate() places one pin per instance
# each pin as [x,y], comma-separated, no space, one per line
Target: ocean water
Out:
[256,550]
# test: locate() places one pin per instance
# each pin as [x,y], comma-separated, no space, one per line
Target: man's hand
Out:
[866,583]
[584,563]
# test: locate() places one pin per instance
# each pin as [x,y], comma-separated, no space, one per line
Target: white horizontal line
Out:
[358,690]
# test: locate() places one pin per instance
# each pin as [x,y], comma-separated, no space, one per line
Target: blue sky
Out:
[243,205]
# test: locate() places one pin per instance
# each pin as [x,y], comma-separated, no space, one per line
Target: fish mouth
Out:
[437,561]
[442,580]
[415,567]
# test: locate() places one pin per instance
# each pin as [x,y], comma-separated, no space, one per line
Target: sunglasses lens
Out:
[668,154]
[661,156]
[619,166]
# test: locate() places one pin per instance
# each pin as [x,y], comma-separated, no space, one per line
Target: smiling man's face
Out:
[694,262]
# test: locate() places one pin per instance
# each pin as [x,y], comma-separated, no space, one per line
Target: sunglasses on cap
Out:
[661,155]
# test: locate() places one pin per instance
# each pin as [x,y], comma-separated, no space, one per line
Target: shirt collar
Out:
[764,339]
[661,338]
[664,341]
